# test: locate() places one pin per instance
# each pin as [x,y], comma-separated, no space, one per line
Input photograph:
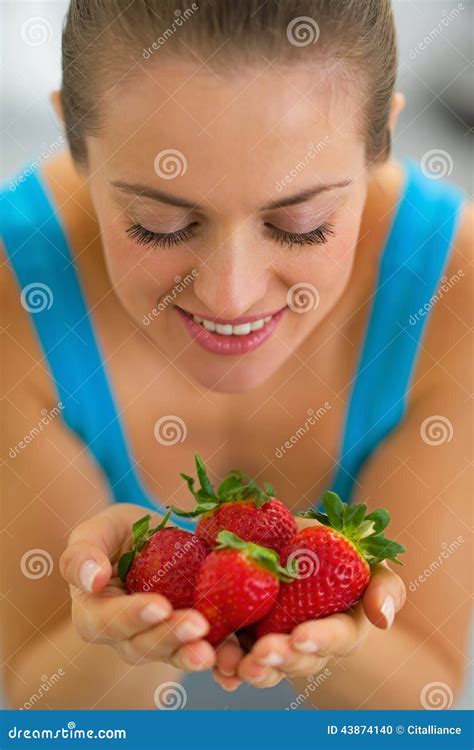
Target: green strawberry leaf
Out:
[125,563]
[206,485]
[199,510]
[364,530]
[141,533]
[235,487]
[263,556]
[381,519]
[140,530]
[334,508]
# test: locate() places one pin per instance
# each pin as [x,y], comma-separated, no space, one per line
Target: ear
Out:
[397,106]
[55,100]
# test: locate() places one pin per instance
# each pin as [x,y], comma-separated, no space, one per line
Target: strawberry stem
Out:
[236,487]
[141,533]
[263,556]
[364,530]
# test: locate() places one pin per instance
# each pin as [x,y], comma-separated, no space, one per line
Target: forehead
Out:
[245,128]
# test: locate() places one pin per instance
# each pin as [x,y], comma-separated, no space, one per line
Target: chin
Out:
[239,379]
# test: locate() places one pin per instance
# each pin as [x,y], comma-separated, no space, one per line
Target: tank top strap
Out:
[39,255]
[410,273]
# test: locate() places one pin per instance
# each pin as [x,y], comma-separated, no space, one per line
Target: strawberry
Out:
[237,585]
[333,560]
[240,506]
[162,560]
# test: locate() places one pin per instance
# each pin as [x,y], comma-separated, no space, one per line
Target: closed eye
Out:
[317,236]
[143,236]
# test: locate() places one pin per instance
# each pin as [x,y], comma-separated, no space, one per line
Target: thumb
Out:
[85,565]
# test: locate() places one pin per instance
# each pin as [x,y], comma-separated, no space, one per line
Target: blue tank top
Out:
[411,266]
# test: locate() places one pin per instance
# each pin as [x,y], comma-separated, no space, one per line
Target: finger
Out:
[275,650]
[228,656]
[86,565]
[258,675]
[93,544]
[194,657]
[226,683]
[158,643]
[336,635]
[120,617]
[384,596]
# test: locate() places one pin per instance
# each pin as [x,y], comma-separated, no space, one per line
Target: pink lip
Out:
[218,344]
[234,321]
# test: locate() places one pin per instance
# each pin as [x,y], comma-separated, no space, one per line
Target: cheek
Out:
[140,274]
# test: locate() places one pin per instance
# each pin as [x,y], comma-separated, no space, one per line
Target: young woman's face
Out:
[229,207]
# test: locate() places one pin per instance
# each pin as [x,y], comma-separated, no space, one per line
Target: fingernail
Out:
[257,673]
[388,610]
[88,573]
[261,677]
[190,629]
[226,672]
[272,660]
[306,647]
[230,688]
[153,613]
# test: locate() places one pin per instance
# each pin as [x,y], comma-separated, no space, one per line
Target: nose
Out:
[233,278]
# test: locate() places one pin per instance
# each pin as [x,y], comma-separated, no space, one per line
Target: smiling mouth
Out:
[230,337]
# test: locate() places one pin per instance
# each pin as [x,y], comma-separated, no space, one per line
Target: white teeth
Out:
[226,329]
[242,330]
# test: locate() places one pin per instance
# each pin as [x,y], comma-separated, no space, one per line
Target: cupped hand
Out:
[141,627]
[312,644]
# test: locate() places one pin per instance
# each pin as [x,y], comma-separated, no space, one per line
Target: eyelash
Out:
[144,236]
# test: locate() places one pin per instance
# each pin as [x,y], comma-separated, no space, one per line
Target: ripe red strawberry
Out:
[333,560]
[162,560]
[240,506]
[237,585]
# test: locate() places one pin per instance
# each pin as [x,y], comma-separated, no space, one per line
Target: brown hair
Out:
[106,40]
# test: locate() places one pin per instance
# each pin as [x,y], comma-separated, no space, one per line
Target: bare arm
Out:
[54,494]
[423,475]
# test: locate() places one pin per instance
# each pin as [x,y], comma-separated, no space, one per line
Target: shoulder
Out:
[445,359]
[24,366]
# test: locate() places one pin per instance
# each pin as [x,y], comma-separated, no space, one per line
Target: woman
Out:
[228,261]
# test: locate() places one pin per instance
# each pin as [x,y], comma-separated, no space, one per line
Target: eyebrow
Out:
[172,200]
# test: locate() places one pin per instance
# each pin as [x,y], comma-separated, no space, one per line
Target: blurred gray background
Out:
[435,73]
